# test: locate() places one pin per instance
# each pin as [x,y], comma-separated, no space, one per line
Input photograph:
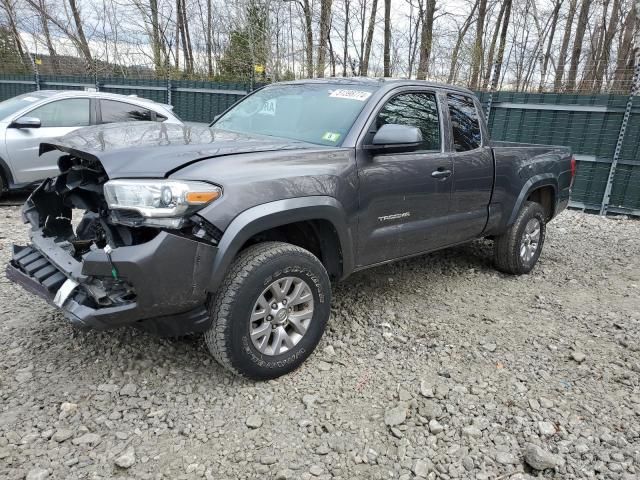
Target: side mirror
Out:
[26,122]
[396,137]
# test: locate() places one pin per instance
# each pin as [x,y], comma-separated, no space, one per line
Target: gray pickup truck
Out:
[237,230]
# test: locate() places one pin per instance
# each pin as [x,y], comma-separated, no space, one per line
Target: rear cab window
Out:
[114,111]
[465,124]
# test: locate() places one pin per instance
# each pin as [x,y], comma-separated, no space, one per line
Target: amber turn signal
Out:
[198,198]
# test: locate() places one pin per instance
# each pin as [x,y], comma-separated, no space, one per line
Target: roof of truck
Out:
[379,82]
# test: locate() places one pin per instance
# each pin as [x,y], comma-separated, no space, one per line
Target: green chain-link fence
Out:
[589,124]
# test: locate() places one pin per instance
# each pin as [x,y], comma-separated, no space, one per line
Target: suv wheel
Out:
[270,312]
[517,251]
[3,185]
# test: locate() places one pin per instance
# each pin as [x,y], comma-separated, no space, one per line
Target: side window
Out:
[464,122]
[113,111]
[416,110]
[72,112]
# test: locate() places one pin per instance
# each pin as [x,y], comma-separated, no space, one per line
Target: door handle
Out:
[441,173]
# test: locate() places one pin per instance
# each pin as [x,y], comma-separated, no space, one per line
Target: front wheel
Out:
[3,185]
[270,312]
[517,251]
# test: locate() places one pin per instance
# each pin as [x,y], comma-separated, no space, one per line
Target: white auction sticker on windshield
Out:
[269,107]
[360,95]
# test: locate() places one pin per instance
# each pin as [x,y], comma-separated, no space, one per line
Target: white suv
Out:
[32,118]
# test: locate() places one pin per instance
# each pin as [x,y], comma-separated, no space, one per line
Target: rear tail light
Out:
[573,169]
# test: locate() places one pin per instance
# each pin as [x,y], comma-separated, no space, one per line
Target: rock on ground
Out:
[486,356]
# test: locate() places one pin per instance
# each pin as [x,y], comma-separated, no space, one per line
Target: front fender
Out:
[274,214]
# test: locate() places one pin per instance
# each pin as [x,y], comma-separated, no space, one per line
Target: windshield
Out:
[15,104]
[314,113]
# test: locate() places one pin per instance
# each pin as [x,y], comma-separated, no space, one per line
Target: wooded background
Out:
[518,45]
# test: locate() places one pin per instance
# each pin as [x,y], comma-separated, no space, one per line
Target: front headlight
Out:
[160,199]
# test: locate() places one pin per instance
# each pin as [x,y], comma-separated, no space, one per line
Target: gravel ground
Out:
[437,367]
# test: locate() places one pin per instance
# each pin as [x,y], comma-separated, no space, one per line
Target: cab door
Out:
[57,118]
[473,167]
[404,196]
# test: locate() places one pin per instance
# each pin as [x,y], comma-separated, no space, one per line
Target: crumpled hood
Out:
[153,149]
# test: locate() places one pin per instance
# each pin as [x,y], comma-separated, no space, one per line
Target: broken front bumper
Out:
[167,276]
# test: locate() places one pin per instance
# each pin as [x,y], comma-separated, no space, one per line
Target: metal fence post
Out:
[635,87]
[95,75]
[36,72]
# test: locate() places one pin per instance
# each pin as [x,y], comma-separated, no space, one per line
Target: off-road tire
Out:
[251,272]
[507,246]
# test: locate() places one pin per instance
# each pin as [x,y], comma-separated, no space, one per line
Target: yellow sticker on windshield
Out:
[331,137]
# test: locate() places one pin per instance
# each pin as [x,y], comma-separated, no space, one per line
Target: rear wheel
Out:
[517,251]
[270,312]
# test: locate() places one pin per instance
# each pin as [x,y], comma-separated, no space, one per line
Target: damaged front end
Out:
[109,253]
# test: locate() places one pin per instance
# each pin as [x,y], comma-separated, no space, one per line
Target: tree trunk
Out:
[476,62]
[156,37]
[187,38]
[47,35]
[387,38]
[503,42]
[13,26]
[209,39]
[81,39]
[332,54]
[426,39]
[325,25]
[306,9]
[364,68]
[591,64]
[178,32]
[583,16]
[456,48]
[607,45]
[552,34]
[624,61]
[345,52]
[492,48]
[562,56]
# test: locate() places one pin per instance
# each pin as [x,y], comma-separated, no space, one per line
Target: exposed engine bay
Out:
[79,187]
[70,213]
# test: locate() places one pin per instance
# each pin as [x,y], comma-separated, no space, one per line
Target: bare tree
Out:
[503,42]
[325,28]
[492,48]
[547,55]
[625,59]
[456,49]
[583,16]
[364,66]
[426,38]
[566,38]
[387,38]
[607,45]
[476,64]
[81,40]
[44,21]
[306,9]
[345,54]
[9,7]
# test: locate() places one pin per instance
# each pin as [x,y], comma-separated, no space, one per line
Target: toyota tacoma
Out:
[237,230]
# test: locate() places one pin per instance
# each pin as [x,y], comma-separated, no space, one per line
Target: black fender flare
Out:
[535,182]
[274,214]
